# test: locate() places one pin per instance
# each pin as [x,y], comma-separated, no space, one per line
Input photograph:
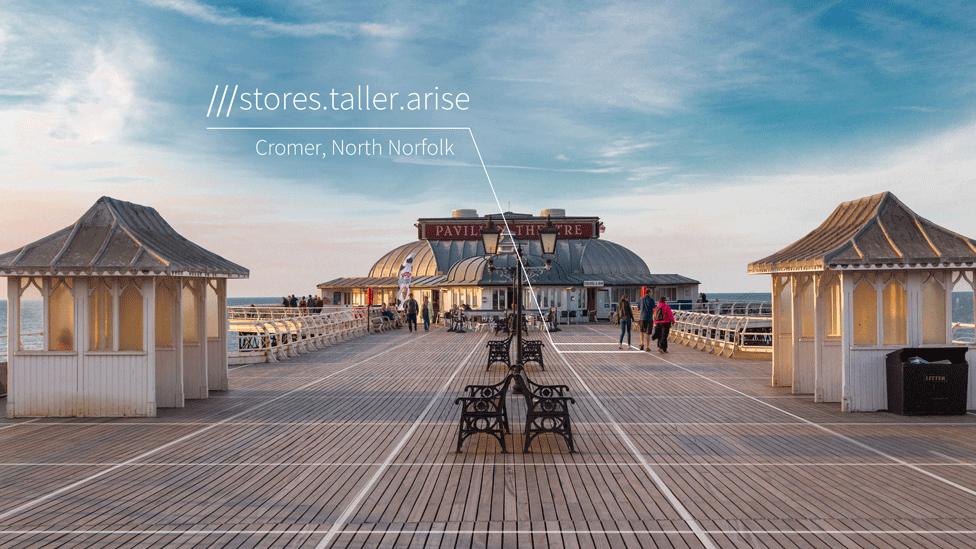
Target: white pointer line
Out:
[662,487]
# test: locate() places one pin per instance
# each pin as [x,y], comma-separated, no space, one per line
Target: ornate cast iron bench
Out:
[532,352]
[498,351]
[501,325]
[483,410]
[547,411]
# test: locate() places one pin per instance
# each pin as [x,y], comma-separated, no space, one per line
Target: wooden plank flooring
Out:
[354,447]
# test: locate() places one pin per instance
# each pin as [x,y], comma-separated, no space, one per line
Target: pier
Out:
[353,445]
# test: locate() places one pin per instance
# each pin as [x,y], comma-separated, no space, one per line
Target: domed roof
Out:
[424,263]
[431,257]
[463,261]
[474,271]
[612,261]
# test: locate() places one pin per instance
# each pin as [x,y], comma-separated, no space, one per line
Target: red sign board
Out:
[522,230]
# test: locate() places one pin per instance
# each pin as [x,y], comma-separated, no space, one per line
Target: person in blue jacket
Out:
[647,305]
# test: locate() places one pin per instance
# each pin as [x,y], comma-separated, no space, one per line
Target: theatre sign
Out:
[470,229]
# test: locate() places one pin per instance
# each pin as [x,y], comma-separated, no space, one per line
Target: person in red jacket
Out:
[663,318]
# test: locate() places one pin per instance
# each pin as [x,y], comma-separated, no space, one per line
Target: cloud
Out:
[228,17]
[624,147]
[98,104]
[711,227]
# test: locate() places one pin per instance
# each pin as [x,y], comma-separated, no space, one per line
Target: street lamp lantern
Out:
[548,236]
[491,235]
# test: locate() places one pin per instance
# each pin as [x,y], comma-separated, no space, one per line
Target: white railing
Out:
[260,334]
[964,333]
[723,334]
[277,312]
[740,308]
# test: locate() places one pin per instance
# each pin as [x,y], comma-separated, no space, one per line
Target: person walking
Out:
[626,317]
[411,309]
[663,318]
[427,311]
[646,320]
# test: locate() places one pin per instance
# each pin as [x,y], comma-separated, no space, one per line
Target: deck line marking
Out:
[27,505]
[686,515]
[951,463]
[586,343]
[354,505]
[568,531]
[585,423]
[842,436]
[601,352]
[9,425]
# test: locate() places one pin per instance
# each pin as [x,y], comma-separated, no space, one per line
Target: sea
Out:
[962,310]
[33,319]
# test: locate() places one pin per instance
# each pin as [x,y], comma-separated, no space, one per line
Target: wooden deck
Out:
[354,447]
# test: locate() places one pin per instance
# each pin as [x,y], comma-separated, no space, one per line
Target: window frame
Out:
[876,314]
[116,287]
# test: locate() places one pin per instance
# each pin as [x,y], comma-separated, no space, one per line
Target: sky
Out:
[704,134]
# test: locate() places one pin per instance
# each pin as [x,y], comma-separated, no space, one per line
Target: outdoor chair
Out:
[546,411]
[532,352]
[483,410]
[499,351]
[500,324]
[483,323]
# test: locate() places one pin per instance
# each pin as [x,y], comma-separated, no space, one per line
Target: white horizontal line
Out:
[527,532]
[599,352]
[484,464]
[581,423]
[590,343]
[364,128]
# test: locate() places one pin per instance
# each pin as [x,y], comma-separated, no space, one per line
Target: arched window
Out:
[100,313]
[832,308]
[805,303]
[31,315]
[213,310]
[933,312]
[130,318]
[191,332]
[61,315]
[865,314]
[783,315]
[165,315]
[895,314]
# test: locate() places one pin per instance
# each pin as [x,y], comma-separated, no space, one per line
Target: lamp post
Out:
[491,237]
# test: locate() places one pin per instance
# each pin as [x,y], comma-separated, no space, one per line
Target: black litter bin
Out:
[929,381]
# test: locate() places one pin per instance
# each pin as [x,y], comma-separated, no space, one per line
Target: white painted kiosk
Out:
[133,317]
[872,278]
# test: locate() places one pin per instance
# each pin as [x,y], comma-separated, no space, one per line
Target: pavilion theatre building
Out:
[588,275]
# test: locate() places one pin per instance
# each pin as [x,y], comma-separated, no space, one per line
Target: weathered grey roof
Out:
[117,238]
[877,231]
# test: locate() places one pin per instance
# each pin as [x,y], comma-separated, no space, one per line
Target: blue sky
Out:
[706,134]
